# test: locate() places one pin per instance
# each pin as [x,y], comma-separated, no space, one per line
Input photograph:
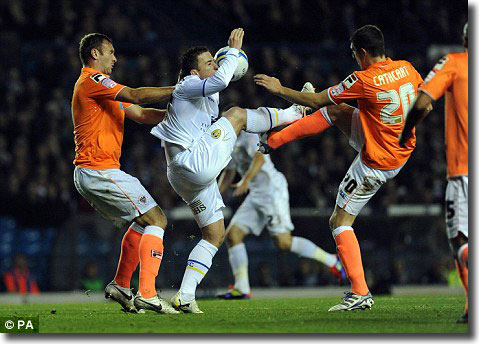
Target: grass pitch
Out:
[390,314]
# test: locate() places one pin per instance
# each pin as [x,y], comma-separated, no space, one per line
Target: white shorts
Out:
[457,207]
[270,210]
[193,172]
[116,195]
[361,181]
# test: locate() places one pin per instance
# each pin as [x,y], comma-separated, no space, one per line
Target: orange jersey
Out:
[384,92]
[450,76]
[98,121]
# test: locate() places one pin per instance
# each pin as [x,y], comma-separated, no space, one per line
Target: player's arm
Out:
[144,95]
[416,114]
[273,85]
[145,115]
[195,88]
[243,185]
[226,179]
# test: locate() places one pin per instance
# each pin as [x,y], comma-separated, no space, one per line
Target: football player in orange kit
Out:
[99,108]
[450,76]
[384,90]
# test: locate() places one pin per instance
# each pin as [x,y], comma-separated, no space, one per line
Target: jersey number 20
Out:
[405,97]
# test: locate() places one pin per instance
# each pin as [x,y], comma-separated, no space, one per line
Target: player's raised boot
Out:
[189,307]
[123,296]
[154,303]
[308,88]
[234,294]
[353,301]
[263,146]
[300,110]
[338,271]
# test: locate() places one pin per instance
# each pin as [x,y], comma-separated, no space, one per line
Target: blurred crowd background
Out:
[42,216]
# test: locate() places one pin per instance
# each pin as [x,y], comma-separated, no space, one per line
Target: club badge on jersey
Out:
[216,133]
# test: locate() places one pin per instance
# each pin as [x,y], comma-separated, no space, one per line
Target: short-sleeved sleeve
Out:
[100,86]
[440,77]
[349,89]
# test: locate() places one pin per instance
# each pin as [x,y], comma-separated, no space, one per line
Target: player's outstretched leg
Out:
[264,146]
[263,119]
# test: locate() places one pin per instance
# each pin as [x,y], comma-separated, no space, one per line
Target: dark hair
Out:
[189,60]
[89,42]
[370,38]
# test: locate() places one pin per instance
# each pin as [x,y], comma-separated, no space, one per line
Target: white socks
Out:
[155,231]
[199,262]
[239,264]
[265,118]
[306,248]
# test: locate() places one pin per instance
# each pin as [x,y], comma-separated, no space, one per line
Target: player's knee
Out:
[154,217]
[235,113]
[333,112]
[336,111]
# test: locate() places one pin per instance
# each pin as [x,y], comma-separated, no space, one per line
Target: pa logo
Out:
[216,133]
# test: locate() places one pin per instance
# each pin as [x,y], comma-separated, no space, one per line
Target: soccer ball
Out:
[242,67]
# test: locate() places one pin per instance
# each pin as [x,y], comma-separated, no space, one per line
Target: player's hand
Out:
[241,188]
[272,84]
[236,38]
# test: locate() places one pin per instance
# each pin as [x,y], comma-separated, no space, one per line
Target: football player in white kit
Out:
[267,205]
[198,147]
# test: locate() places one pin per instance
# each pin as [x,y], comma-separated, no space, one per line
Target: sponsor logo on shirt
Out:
[107,82]
[216,133]
[197,207]
[337,90]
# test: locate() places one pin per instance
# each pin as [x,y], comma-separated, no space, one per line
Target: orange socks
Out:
[151,254]
[129,258]
[307,126]
[350,254]
[463,270]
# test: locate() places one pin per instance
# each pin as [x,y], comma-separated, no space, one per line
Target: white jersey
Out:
[267,204]
[195,104]
[268,178]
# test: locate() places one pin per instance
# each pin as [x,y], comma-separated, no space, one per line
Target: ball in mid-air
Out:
[242,67]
